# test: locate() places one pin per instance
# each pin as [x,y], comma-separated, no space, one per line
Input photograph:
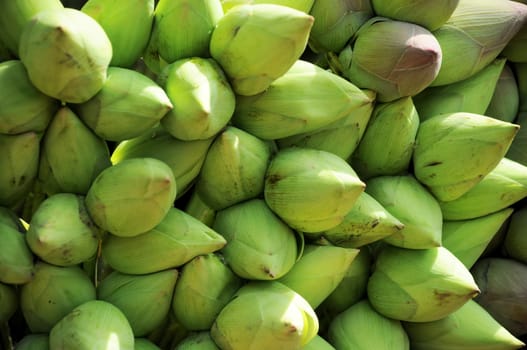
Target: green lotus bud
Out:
[516,151]
[515,51]
[177,239]
[95,324]
[301,5]
[454,151]
[39,341]
[470,327]
[265,315]
[279,112]
[394,58]
[311,190]
[361,326]
[505,185]
[336,22]
[53,292]
[197,208]
[515,242]
[128,104]
[319,271]
[234,169]
[24,108]
[467,239]
[72,155]
[340,137]
[408,201]
[128,41]
[154,63]
[61,231]
[471,95]
[145,344]
[153,290]
[259,244]
[185,158]
[367,221]
[132,186]
[352,288]
[503,289]
[318,343]
[205,286]
[505,101]
[482,28]
[14,15]
[202,97]
[183,28]
[19,164]
[197,341]
[387,144]
[66,54]
[8,302]
[256,44]
[16,259]
[429,14]
[419,285]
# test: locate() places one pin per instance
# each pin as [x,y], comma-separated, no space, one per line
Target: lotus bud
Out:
[53,292]
[505,101]
[467,239]
[205,286]
[319,271]
[318,343]
[234,169]
[359,327]
[336,22]
[8,302]
[265,315]
[122,191]
[311,190]
[367,221]
[128,42]
[278,112]
[154,290]
[301,5]
[197,208]
[202,97]
[482,28]
[516,151]
[145,344]
[340,137]
[61,231]
[419,285]
[37,341]
[470,327]
[408,201]
[16,259]
[505,185]
[128,104]
[66,54]
[455,151]
[154,63]
[259,244]
[394,58]
[19,164]
[95,324]
[429,14]
[471,95]
[24,108]
[387,145]
[14,15]
[503,291]
[177,239]
[352,288]
[185,158]
[197,341]
[515,243]
[183,28]
[256,44]
[515,51]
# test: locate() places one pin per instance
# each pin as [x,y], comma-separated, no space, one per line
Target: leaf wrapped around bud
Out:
[394,58]
[256,44]
[419,285]
[311,190]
